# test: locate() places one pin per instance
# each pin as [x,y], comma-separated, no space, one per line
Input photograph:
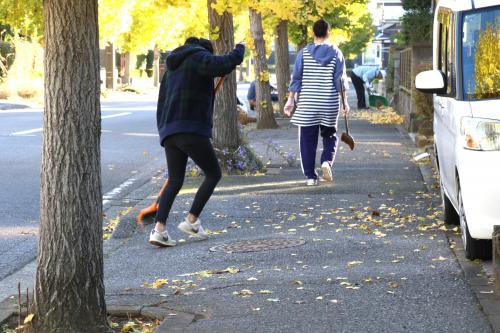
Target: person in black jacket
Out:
[184,117]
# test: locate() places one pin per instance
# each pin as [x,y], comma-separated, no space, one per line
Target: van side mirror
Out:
[431,82]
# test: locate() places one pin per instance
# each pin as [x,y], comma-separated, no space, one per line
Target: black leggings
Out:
[360,90]
[178,148]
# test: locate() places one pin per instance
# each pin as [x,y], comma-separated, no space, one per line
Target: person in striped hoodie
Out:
[317,77]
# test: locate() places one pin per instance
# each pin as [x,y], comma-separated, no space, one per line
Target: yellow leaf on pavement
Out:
[29,318]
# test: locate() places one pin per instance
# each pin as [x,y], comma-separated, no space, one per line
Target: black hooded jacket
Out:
[186,99]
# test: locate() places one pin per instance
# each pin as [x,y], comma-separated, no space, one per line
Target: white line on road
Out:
[116,115]
[34,110]
[142,134]
[31,131]
[114,192]
[37,130]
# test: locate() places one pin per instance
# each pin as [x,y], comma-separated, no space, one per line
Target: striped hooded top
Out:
[317,78]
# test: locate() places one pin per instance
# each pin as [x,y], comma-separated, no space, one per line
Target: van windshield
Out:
[481,54]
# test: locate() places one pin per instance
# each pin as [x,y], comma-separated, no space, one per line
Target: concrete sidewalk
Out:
[364,254]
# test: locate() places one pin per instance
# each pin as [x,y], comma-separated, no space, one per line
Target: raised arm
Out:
[211,65]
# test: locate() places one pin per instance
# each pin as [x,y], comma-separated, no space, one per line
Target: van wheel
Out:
[450,215]
[474,248]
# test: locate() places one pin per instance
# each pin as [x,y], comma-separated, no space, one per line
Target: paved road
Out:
[130,152]
[129,149]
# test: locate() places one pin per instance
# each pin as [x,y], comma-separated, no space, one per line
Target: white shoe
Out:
[311,182]
[194,229]
[161,238]
[327,171]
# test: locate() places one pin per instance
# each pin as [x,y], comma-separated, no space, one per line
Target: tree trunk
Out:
[282,62]
[225,131]
[110,64]
[69,287]
[264,107]
[126,69]
[156,66]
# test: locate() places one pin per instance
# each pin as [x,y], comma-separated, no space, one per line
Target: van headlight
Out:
[480,133]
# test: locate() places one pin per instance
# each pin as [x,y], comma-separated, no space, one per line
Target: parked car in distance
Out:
[465,81]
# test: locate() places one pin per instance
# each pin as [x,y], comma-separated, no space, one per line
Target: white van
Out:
[466,86]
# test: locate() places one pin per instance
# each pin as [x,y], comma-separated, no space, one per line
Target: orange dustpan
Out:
[151,210]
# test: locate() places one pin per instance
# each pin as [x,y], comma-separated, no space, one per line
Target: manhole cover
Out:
[257,245]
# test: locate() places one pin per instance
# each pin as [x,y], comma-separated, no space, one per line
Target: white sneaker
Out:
[327,171]
[311,182]
[194,229]
[161,238]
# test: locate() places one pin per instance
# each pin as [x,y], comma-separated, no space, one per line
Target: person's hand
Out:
[290,104]
[346,109]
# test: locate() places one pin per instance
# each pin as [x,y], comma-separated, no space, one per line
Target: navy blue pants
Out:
[308,138]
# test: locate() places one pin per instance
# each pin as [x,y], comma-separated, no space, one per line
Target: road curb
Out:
[130,305]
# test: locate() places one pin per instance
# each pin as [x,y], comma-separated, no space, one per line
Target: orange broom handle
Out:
[219,84]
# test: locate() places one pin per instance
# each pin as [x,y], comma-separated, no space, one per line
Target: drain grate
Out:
[257,245]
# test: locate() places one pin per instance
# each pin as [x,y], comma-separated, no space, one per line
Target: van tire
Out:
[450,215]
[474,248]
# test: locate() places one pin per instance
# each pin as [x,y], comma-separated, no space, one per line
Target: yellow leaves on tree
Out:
[24,17]
[487,74]
[137,26]
[230,6]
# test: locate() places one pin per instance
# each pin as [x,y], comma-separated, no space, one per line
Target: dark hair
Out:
[321,28]
[207,44]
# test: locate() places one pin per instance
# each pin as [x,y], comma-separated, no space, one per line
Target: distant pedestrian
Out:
[318,74]
[252,95]
[184,118]
[362,77]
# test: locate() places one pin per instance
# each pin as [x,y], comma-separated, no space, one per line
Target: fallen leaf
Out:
[29,318]
[393,285]
[128,327]
[354,263]
[244,293]
[265,292]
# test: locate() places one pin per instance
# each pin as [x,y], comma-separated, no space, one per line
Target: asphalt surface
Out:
[372,261]
[129,149]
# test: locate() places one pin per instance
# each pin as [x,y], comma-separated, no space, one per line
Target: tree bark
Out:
[282,62]
[69,287]
[110,64]
[225,130]
[156,66]
[264,107]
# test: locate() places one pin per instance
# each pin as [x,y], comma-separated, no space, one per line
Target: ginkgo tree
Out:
[350,21]
[24,17]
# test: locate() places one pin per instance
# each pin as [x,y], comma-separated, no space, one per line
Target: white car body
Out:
[475,174]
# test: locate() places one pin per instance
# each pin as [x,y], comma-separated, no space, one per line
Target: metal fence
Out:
[405,70]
